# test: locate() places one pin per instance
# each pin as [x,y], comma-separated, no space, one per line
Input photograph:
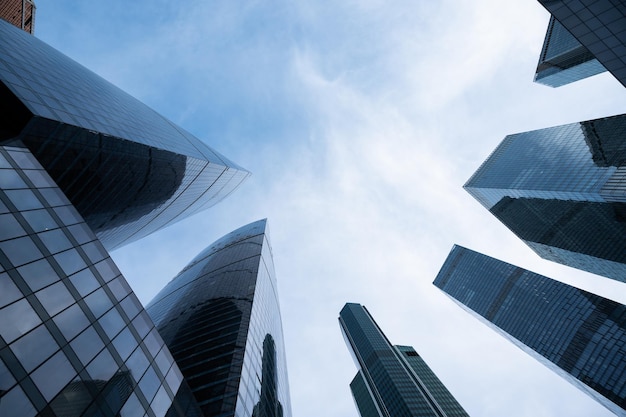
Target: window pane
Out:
[34,348]
[71,322]
[8,290]
[87,345]
[55,298]
[17,319]
[53,375]
[20,251]
[38,274]
[55,240]
[15,403]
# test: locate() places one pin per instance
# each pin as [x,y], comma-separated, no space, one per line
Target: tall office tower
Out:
[579,335]
[20,13]
[563,59]
[220,319]
[562,190]
[74,339]
[126,169]
[599,26]
[392,380]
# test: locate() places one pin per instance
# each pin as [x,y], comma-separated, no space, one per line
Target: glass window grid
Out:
[106,267]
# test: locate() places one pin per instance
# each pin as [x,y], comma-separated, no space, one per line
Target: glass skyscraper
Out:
[220,319]
[562,190]
[85,168]
[599,26]
[563,59]
[74,339]
[391,380]
[128,170]
[579,335]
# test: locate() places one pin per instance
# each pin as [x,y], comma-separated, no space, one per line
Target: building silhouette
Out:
[562,190]
[599,26]
[391,380]
[579,335]
[85,168]
[563,59]
[220,319]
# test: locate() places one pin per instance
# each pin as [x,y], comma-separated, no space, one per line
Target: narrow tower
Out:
[392,380]
[221,320]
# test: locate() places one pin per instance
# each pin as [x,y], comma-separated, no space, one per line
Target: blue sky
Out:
[360,121]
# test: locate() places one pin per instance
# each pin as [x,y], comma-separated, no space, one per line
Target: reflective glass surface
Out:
[563,59]
[563,191]
[579,335]
[220,319]
[599,26]
[64,334]
[125,168]
[392,380]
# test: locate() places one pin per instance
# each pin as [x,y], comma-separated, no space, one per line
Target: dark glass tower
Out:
[563,59]
[599,26]
[220,319]
[563,191]
[392,380]
[579,335]
[128,170]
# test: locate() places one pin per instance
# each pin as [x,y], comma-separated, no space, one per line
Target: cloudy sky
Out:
[360,121]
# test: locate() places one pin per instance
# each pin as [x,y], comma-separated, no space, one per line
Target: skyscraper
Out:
[562,190]
[128,170]
[579,335]
[84,168]
[563,59]
[74,339]
[391,380]
[599,26]
[220,319]
[19,13]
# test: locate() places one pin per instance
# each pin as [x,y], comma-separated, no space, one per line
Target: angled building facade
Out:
[563,59]
[220,319]
[128,170]
[579,335]
[599,26]
[391,380]
[562,190]
[85,168]
[74,339]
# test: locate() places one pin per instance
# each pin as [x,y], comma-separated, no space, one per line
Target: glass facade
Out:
[220,319]
[599,26]
[392,380]
[563,59]
[563,191]
[579,335]
[74,339]
[127,170]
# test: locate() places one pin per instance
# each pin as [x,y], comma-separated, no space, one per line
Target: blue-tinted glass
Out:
[55,298]
[17,319]
[34,348]
[38,274]
[15,403]
[87,345]
[8,291]
[71,321]
[53,375]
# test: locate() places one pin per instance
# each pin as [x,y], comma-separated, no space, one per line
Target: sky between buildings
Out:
[360,121]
